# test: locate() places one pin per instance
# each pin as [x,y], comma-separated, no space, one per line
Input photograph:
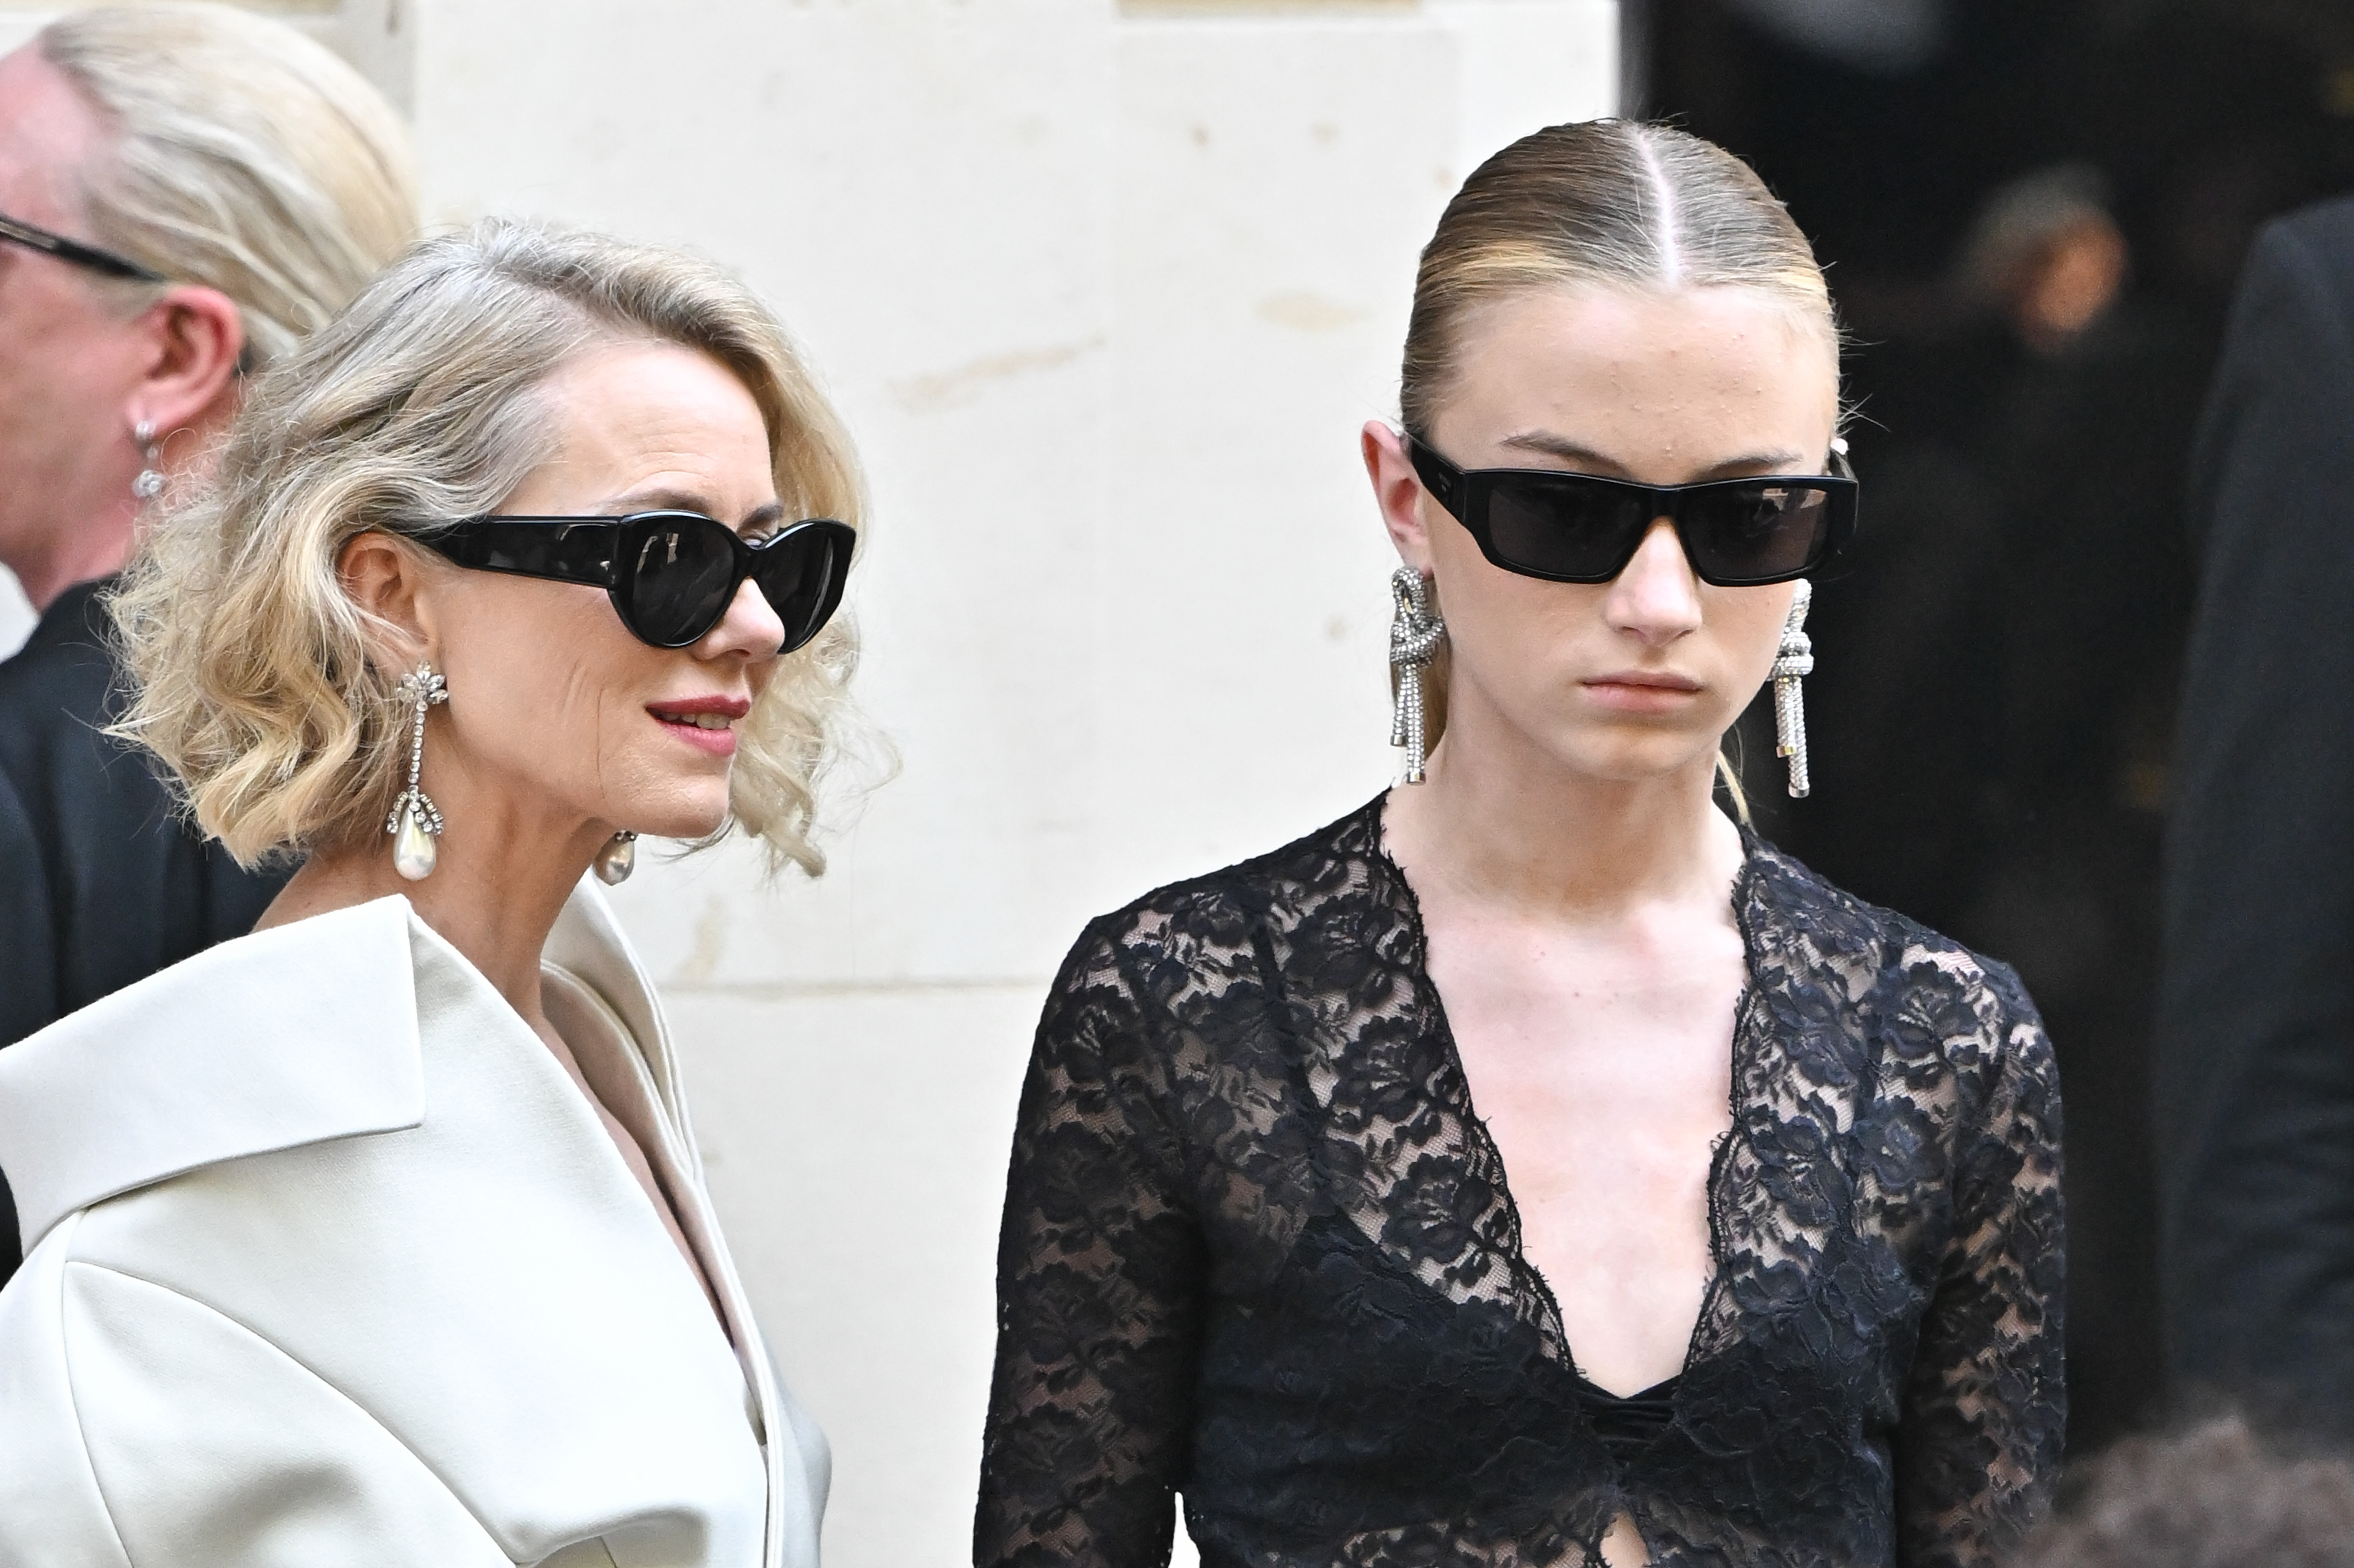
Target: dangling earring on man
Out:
[1793,661]
[150,482]
[416,822]
[1415,635]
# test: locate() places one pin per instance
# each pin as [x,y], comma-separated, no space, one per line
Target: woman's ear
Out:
[384,578]
[1398,492]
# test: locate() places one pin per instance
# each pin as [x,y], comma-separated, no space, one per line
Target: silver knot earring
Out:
[1794,659]
[617,859]
[416,822]
[150,482]
[1415,636]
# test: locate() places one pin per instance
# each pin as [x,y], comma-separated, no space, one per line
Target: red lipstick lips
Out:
[707,723]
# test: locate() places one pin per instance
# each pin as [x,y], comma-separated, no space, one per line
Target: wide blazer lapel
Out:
[305,1034]
[337,1135]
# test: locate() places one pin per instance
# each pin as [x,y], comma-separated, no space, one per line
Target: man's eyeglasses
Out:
[74,253]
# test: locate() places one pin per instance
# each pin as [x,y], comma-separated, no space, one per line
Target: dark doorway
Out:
[2033,212]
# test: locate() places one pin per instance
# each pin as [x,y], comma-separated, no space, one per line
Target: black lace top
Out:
[1258,1249]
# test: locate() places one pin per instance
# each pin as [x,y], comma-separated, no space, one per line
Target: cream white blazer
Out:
[330,1264]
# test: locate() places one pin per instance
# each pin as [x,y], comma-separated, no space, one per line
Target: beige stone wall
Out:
[1105,292]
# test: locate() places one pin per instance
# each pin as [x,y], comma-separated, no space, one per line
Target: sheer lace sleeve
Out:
[1099,1267]
[1985,1405]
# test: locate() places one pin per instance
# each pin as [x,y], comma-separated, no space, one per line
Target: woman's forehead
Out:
[1631,371]
[632,418]
[1712,331]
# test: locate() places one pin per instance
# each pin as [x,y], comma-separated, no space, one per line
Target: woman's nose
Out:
[1657,598]
[750,627]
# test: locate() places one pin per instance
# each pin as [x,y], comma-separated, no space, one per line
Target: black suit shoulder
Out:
[2288,352]
[109,885]
[56,695]
[2253,1058]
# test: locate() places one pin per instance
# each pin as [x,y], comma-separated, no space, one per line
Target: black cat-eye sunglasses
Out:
[671,575]
[1583,528]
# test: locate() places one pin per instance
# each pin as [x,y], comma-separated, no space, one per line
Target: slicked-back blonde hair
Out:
[250,666]
[244,156]
[1616,202]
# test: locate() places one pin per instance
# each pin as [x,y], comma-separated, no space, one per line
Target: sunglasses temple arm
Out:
[530,553]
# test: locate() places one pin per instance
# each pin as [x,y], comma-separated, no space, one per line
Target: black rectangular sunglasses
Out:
[1581,528]
[671,575]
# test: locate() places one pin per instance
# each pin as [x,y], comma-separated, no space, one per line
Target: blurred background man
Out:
[2034,213]
[185,191]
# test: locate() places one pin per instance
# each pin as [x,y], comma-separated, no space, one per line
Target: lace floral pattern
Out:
[1258,1250]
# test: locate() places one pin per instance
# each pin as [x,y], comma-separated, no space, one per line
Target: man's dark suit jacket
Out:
[2255,1065]
[99,883]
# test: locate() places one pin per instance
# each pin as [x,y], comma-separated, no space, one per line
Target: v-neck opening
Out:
[608,1059]
[698,1269]
[1720,1147]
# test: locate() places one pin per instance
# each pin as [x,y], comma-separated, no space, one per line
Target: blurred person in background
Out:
[381,1235]
[2046,253]
[1994,687]
[185,192]
[1536,1166]
[2256,1040]
[2213,1495]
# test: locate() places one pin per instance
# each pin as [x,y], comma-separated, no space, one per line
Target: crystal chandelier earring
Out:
[617,859]
[1792,661]
[416,822]
[150,482]
[1415,635]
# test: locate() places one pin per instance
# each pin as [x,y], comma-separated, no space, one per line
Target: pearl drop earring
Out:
[416,822]
[617,859]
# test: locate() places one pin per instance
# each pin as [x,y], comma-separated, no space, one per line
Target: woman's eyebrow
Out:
[662,499]
[1547,444]
[659,498]
[1591,461]
[1781,461]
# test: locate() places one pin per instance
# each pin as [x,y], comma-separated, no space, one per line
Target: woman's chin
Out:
[674,818]
[1605,746]
[1633,758]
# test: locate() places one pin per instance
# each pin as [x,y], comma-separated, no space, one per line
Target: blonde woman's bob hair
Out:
[249,669]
